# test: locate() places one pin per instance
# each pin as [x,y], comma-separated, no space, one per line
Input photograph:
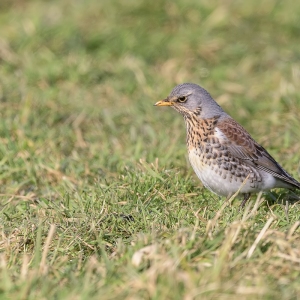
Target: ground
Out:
[98,200]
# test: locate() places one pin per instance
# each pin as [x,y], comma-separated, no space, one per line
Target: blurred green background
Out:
[81,139]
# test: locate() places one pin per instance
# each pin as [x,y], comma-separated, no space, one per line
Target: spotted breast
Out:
[211,160]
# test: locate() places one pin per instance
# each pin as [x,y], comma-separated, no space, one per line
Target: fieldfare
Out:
[221,152]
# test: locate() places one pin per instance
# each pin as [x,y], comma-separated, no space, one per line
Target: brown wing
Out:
[242,145]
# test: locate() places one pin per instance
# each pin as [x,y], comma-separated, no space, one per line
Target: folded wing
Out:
[240,144]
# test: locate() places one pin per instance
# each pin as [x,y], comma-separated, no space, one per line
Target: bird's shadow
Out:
[282,196]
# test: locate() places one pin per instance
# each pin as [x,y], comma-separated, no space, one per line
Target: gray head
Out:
[189,98]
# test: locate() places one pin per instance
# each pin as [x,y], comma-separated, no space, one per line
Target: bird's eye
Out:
[182,99]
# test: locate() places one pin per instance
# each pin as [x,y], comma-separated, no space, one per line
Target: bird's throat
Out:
[199,130]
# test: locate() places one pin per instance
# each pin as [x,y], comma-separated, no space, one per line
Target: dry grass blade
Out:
[43,265]
[259,237]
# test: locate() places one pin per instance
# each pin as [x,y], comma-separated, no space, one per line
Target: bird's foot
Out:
[246,198]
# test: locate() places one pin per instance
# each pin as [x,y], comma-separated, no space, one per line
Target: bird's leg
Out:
[246,198]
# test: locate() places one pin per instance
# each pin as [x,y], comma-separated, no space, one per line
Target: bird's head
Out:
[190,98]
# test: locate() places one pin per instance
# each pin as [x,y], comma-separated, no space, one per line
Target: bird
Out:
[222,153]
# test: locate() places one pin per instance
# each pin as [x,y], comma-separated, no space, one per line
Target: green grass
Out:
[92,172]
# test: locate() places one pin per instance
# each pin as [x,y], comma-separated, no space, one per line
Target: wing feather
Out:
[240,144]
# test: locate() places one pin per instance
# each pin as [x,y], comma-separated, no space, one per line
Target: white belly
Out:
[222,182]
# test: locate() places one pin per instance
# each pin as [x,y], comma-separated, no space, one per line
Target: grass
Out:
[97,197]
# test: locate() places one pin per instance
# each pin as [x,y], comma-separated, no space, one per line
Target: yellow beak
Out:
[163,103]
